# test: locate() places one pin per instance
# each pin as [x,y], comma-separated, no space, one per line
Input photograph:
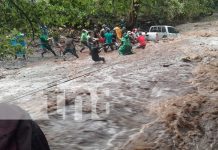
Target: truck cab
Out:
[159,32]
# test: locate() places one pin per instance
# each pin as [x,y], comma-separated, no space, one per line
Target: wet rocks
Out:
[186,59]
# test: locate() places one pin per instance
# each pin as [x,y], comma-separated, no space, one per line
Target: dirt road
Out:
[162,97]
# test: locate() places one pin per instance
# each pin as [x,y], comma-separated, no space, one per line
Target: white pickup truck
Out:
[159,32]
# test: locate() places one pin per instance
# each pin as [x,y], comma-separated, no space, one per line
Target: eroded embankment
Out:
[189,121]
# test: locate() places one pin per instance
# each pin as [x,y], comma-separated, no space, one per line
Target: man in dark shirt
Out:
[95,50]
[69,48]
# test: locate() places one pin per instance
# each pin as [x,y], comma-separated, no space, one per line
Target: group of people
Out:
[118,38]
[100,39]
[21,132]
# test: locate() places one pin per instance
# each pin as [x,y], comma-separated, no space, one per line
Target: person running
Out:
[95,50]
[45,45]
[84,40]
[126,47]
[108,40]
[141,40]
[70,48]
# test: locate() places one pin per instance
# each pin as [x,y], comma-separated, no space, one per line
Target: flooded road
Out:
[125,102]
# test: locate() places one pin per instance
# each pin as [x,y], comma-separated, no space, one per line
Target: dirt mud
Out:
[162,97]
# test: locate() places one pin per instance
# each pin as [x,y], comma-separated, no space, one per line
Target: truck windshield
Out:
[172,30]
[155,29]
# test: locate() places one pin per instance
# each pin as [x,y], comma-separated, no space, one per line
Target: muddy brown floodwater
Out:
[162,97]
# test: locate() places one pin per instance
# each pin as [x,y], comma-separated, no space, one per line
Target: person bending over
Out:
[141,41]
[70,48]
[95,50]
[126,47]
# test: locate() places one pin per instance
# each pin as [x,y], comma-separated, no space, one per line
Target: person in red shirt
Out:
[142,41]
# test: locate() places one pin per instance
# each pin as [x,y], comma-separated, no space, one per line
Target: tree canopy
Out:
[80,12]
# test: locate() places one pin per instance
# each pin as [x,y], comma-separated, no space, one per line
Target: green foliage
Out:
[6,49]
[175,10]
[55,13]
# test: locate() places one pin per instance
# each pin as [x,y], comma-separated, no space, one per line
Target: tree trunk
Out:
[133,14]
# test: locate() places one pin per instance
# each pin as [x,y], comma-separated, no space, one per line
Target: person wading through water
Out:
[126,47]
[69,48]
[108,40]
[142,41]
[45,45]
[84,40]
[118,31]
[95,50]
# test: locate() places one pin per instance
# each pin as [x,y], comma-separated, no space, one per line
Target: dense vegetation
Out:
[27,15]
